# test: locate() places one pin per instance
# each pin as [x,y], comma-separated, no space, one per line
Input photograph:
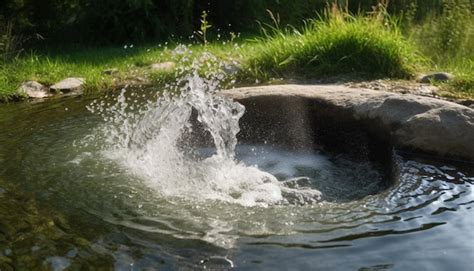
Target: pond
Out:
[114,182]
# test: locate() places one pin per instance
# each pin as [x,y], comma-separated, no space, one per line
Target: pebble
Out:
[58,263]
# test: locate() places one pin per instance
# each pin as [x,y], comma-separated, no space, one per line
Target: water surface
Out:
[70,204]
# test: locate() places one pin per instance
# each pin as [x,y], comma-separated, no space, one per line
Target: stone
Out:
[163,66]
[397,86]
[72,85]
[231,68]
[33,89]
[436,76]
[410,122]
[466,102]
[110,71]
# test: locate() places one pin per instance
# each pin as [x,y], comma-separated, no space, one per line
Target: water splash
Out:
[149,141]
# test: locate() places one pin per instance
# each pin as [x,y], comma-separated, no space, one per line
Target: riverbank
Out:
[336,48]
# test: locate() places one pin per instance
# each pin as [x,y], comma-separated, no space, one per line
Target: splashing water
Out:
[148,143]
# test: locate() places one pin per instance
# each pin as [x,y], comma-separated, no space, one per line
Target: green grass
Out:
[462,86]
[90,64]
[337,44]
[447,40]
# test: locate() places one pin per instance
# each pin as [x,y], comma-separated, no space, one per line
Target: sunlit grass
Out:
[337,44]
[90,64]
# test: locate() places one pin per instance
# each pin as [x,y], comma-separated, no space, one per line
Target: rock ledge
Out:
[412,122]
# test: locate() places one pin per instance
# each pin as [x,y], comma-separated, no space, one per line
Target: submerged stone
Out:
[58,263]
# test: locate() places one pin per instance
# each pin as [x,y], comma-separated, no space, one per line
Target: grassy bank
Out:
[126,64]
[336,44]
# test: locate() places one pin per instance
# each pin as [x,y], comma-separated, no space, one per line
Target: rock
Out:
[33,89]
[69,85]
[231,68]
[466,102]
[436,76]
[407,121]
[110,71]
[403,87]
[163,66]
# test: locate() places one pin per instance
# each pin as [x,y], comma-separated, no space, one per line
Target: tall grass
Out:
[10,43]
[370,45]
[335,43]
[447,39]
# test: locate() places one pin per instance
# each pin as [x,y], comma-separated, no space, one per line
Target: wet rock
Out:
[33,89]
[436,76]
[73,85]
[163,66]
[411,122]
[58,263]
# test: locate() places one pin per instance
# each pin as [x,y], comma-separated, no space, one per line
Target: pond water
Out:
[76,192]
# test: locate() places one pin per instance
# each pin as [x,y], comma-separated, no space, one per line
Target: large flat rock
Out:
[33,89]
[411,122]
[72,85]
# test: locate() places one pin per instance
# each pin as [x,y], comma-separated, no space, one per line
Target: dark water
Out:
[63,205]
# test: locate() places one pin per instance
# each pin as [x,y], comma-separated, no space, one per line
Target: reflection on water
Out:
[105,215]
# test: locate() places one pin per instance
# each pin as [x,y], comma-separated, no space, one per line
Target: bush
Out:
[10,44]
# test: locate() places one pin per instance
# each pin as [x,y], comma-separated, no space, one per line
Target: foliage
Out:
[10,44]
[111,21]
[448,32]
[447,39]
[336,43]
[373,42]
[204,27]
